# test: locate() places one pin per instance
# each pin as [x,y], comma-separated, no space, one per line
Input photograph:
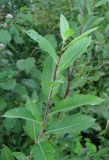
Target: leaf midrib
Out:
[65,128]
[62,66]
[42,151]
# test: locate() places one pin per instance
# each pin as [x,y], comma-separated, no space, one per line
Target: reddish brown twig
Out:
[71,73]
[50,95]
[70,76]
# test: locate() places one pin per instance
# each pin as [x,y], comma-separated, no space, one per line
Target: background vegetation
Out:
[21,64]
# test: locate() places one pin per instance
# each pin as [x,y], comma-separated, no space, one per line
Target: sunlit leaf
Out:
[64,26]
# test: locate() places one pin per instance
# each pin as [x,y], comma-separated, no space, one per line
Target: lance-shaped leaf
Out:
[32,128]
[89,5]
[48,76]
[75,123]
[75,101]
[73,52]
[20,112]
[64,26]
[43,42]
[43,151]
[80,5]
[81,36]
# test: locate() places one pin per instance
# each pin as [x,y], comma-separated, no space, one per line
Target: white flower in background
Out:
[2,46]
[9,16]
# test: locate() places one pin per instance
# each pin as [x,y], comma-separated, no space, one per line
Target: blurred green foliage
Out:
[21,62]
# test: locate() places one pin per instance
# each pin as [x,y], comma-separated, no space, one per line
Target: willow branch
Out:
[50,95]
[72,70]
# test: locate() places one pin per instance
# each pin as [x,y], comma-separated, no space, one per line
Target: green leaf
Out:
[101,3]
[33,108]
[5,36]
[43,42]
[6,154]
[78,146]
[81,36]
[78,82]
[31,83]
[43,151]
[8,73]
[2,103]
[18,39]
[64,26]
[9,84]
[26,64]
[34,97]
[73,52]
[21,91]
[75,123]
[89,5]
[33,35]
[99,37]
[27,17]
[80,5]
[35,74]
[91,146]
[101,153]
[20,113]
[75,101]
[52,39]
[7,80]
[48,76]
[20,156]
[68,33]
[32,129]
[12,125]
